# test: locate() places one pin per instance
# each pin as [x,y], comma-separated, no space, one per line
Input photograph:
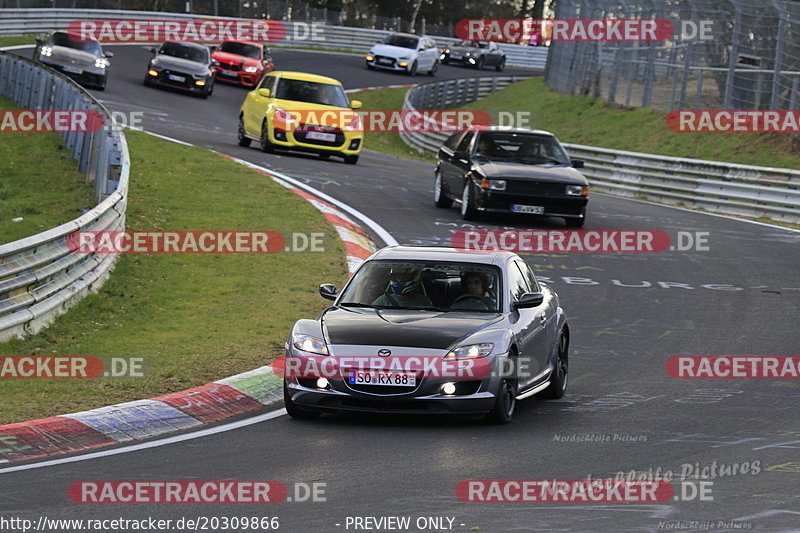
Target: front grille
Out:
[535,188]
[383,60]
[383,389]
[186,83]
[301,136]
[230,66]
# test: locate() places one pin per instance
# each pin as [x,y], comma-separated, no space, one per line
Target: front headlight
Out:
[307,343]
[46,51]
[251,70]
[101,62]
[577,190]
[470,351]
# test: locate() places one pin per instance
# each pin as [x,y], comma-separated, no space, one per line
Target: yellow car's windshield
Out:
[311,92]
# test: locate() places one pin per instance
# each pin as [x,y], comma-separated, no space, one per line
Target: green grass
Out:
[194,317]
[389,143]
[23,39]
[39,184]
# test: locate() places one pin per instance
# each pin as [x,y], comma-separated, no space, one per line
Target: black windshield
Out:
[311,92]
[185,51]
[528,148]
[402,41]
[63,39]
[241,49]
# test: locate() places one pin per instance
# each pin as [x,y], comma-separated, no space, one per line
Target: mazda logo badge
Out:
[384,352]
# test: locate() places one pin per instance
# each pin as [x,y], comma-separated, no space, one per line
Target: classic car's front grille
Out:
[535,188]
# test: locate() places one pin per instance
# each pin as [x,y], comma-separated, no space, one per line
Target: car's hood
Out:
[414,329]
[70,56]
[181,65]
[556,173]
[463,49]
[235,59]
[392,51]
[325,115]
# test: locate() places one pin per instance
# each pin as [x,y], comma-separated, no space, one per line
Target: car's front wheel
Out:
[434,68]
[439,197]
[351,159]
[241,135]
[504,404]
[501,65]
[266,146]
[480,62]
[301,413]
[468,209]
[559,376]
[413,70]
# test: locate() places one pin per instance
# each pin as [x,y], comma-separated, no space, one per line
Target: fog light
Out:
[370,58]
[200,83]
[153,72]
[471,60]
[449,388]
[322,383]
[354,144]
[403,63]
[280,135]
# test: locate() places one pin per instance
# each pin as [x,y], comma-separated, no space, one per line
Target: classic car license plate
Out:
[73,70]
[532,209]
[320,136]
[174,77]
[377,377]
[385,61]
[228,73]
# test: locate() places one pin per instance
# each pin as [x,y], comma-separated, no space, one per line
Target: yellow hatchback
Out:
[300,111]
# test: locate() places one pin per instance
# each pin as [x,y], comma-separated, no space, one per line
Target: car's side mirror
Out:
[264,92]
[39,40]
[213,47]
[152,50]
[108,54]
[577,163]
[528,300]
[214,63]
[355,104]
[328,291]
[461,154]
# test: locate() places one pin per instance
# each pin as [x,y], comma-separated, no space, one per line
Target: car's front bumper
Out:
[554,205]
[92,76]
[345,143]
[188,85]
[395,65]
[246,79]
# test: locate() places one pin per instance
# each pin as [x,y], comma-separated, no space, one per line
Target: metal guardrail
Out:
[28,21]
[40,278]
[716,186]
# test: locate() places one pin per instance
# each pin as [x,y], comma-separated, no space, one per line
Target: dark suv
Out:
[510,170]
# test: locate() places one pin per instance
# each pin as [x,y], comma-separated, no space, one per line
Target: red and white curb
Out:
[142,419]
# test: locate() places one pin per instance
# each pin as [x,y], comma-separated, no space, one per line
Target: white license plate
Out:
[377,377]
[174,77]
[73,70]
[385,61]
[320,136]
[228,73]
[531,209]
[455,56]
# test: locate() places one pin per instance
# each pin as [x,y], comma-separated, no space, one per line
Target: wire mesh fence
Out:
[723,54]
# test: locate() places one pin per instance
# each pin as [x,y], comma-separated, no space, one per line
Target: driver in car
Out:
[404,290]
[476,292]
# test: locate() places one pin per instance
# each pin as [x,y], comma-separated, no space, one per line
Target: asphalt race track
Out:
[629,313]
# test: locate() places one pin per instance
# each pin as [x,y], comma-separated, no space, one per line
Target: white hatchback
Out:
[405,52]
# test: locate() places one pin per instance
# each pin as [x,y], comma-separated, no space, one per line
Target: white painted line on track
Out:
[152,444]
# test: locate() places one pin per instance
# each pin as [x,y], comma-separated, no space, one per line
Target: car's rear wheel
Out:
[501,65]
[351,159]
[576,222]
[266,146]
[504,404]
[413,69]
[439,197]
[301,413]
[560,375]
[241,136]
[468,209]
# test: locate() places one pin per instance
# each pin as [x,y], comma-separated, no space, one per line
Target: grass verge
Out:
[195,317]
[39,184]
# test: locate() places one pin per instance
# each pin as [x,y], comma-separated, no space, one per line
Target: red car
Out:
[242,62]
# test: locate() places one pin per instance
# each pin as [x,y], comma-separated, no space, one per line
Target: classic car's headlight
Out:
[577,190]
[307,343]
[101,62]
[470,351]
[493,185]
[251,70]
[46,51]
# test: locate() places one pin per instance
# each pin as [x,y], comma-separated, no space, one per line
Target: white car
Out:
[406,53]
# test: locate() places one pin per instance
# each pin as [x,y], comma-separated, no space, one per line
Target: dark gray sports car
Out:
[82,60]
[184,66]
[430,330]
[476,54]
